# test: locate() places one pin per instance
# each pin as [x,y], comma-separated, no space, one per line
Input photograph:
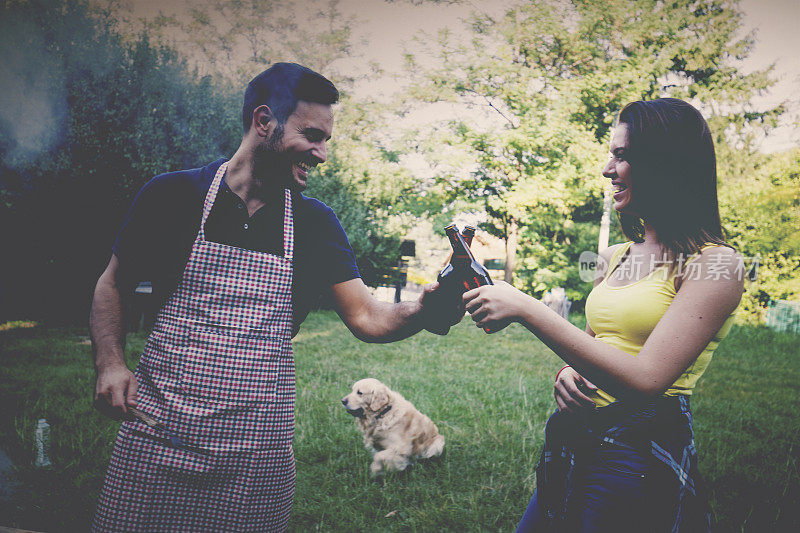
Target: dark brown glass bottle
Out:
[468,234]
[463,272]
[447,282]
[471,274]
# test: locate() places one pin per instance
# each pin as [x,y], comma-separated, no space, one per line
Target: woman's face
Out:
[618,169]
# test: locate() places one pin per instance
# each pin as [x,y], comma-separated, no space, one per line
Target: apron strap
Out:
[288,226]
[210,198]
[288,213]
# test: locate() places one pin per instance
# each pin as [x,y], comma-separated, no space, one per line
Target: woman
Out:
[622,456]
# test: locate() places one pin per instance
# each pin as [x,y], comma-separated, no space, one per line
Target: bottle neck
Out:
[461,252]
[468,234]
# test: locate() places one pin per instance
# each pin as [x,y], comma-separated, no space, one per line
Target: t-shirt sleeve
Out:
[335,256]
[156,236]
[134,238]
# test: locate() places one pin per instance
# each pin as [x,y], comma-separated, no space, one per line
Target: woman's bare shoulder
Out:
[604,260]
[611,250]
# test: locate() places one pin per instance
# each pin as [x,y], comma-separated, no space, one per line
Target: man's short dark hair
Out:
[281,86]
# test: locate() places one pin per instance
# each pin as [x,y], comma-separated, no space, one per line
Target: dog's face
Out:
[368,396]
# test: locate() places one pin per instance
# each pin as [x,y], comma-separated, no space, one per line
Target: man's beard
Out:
[269,160]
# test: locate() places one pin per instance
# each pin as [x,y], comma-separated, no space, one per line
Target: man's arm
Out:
[373,321]
[116,385]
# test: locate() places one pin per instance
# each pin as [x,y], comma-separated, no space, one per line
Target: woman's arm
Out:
[569,386]
[696,314]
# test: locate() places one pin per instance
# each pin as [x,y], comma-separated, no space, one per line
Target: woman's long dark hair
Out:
[674,175]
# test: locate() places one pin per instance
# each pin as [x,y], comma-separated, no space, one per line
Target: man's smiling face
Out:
[298,145]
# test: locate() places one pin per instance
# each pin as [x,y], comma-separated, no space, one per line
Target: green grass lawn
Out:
[489,395]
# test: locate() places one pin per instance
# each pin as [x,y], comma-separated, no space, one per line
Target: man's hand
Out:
[569,389]
[115,390]
[437,318]
[373,321]
[116,386]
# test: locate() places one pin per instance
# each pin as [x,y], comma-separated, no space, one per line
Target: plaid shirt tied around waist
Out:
[660,430]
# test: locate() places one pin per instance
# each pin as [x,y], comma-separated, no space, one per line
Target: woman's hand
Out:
[569,390]
[493,307]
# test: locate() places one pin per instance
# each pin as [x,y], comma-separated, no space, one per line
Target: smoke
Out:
[33,104]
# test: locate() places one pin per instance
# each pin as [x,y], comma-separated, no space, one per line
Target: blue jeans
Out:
[610,495]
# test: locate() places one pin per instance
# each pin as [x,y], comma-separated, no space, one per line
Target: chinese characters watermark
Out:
[716,266]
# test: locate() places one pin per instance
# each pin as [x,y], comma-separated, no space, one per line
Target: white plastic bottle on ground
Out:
[42,444]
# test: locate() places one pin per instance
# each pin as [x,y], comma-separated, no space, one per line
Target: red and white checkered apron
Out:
[218,371]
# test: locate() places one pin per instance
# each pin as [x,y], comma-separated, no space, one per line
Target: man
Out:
[238,256]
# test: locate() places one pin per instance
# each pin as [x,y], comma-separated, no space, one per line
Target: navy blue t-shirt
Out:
[156,237]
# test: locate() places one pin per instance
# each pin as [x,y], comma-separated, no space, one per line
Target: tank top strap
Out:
[617,256]
[687,262]
[706,246]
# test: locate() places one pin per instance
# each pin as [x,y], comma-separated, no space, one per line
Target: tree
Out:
[762,214]
[556,73]
[238,39]
[115,112]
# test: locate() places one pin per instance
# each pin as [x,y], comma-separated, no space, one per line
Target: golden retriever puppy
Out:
[394,431]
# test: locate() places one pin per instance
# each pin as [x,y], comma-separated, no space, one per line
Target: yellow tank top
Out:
[625,316]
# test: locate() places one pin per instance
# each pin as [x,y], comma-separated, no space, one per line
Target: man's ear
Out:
[263,120]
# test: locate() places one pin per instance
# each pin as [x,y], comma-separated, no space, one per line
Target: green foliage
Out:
[93,112]
[376,247]
[236,40]
[368,188]
[555,74]
[761,213]
[96,116]
[17,324]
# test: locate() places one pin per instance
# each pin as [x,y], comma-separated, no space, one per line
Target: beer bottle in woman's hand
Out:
[462,273]
[470,274]
[468,234]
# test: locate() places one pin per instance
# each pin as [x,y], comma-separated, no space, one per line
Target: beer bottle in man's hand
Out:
[468,234]
[461,274]
[448,290]
[469,272]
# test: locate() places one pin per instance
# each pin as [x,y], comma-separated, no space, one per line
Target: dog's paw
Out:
[376,470]
[435,448]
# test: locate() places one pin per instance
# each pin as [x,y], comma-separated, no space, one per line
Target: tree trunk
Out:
[605,221]
[512,238]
